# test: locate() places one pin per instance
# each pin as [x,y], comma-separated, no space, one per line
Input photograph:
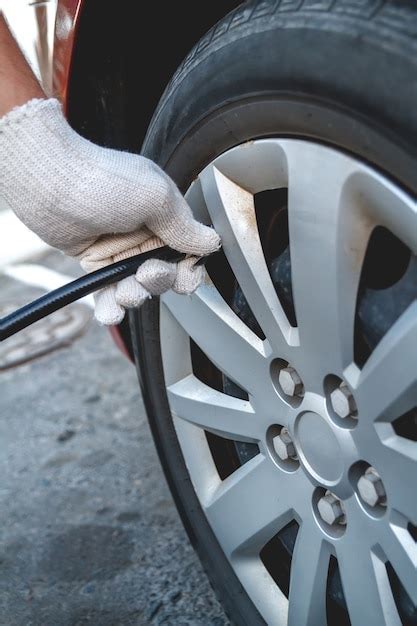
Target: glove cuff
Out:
[27,110]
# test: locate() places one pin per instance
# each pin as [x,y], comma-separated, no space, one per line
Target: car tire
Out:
[343,74]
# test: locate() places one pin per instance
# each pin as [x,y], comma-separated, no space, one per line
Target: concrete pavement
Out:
[89,533]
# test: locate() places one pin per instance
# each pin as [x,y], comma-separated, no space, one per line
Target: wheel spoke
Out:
[308,583]
[229,417]
[226,340]
[328,240]
[366,587]
[232,211]
[397,468]
[403,561]
[389,206]
[250,507]
[387,385]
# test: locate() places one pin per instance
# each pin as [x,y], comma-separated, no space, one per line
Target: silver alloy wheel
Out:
[334,202]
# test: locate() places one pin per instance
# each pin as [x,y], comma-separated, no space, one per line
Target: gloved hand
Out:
[98,205]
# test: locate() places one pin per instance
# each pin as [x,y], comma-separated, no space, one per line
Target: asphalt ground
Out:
[89,533]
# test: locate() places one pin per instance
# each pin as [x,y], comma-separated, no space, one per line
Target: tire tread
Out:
[397,17]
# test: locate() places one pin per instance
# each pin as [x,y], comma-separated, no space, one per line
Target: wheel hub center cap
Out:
[318,447]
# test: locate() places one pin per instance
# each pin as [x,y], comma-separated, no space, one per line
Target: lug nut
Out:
[284,446]
[371,488]
[331,509]
[290,382]
[343,402]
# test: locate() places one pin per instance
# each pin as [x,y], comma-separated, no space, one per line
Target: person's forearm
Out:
[18,84]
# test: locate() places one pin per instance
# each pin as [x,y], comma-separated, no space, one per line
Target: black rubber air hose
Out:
[57,299]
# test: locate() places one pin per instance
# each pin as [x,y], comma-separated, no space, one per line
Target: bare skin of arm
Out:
[18,84]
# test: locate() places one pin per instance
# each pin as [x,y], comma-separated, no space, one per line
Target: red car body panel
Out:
[68,12]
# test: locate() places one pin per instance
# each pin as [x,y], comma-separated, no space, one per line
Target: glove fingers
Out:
[177,227]
[130,293]
[107,310]
[111,248]
[156,276]
[187,235]
[189,276]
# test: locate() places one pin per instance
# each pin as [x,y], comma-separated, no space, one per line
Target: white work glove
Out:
[98,205]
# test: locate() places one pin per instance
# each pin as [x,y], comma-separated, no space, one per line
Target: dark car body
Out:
[112,62]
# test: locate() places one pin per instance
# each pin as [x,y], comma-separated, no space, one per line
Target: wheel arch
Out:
[121,71]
